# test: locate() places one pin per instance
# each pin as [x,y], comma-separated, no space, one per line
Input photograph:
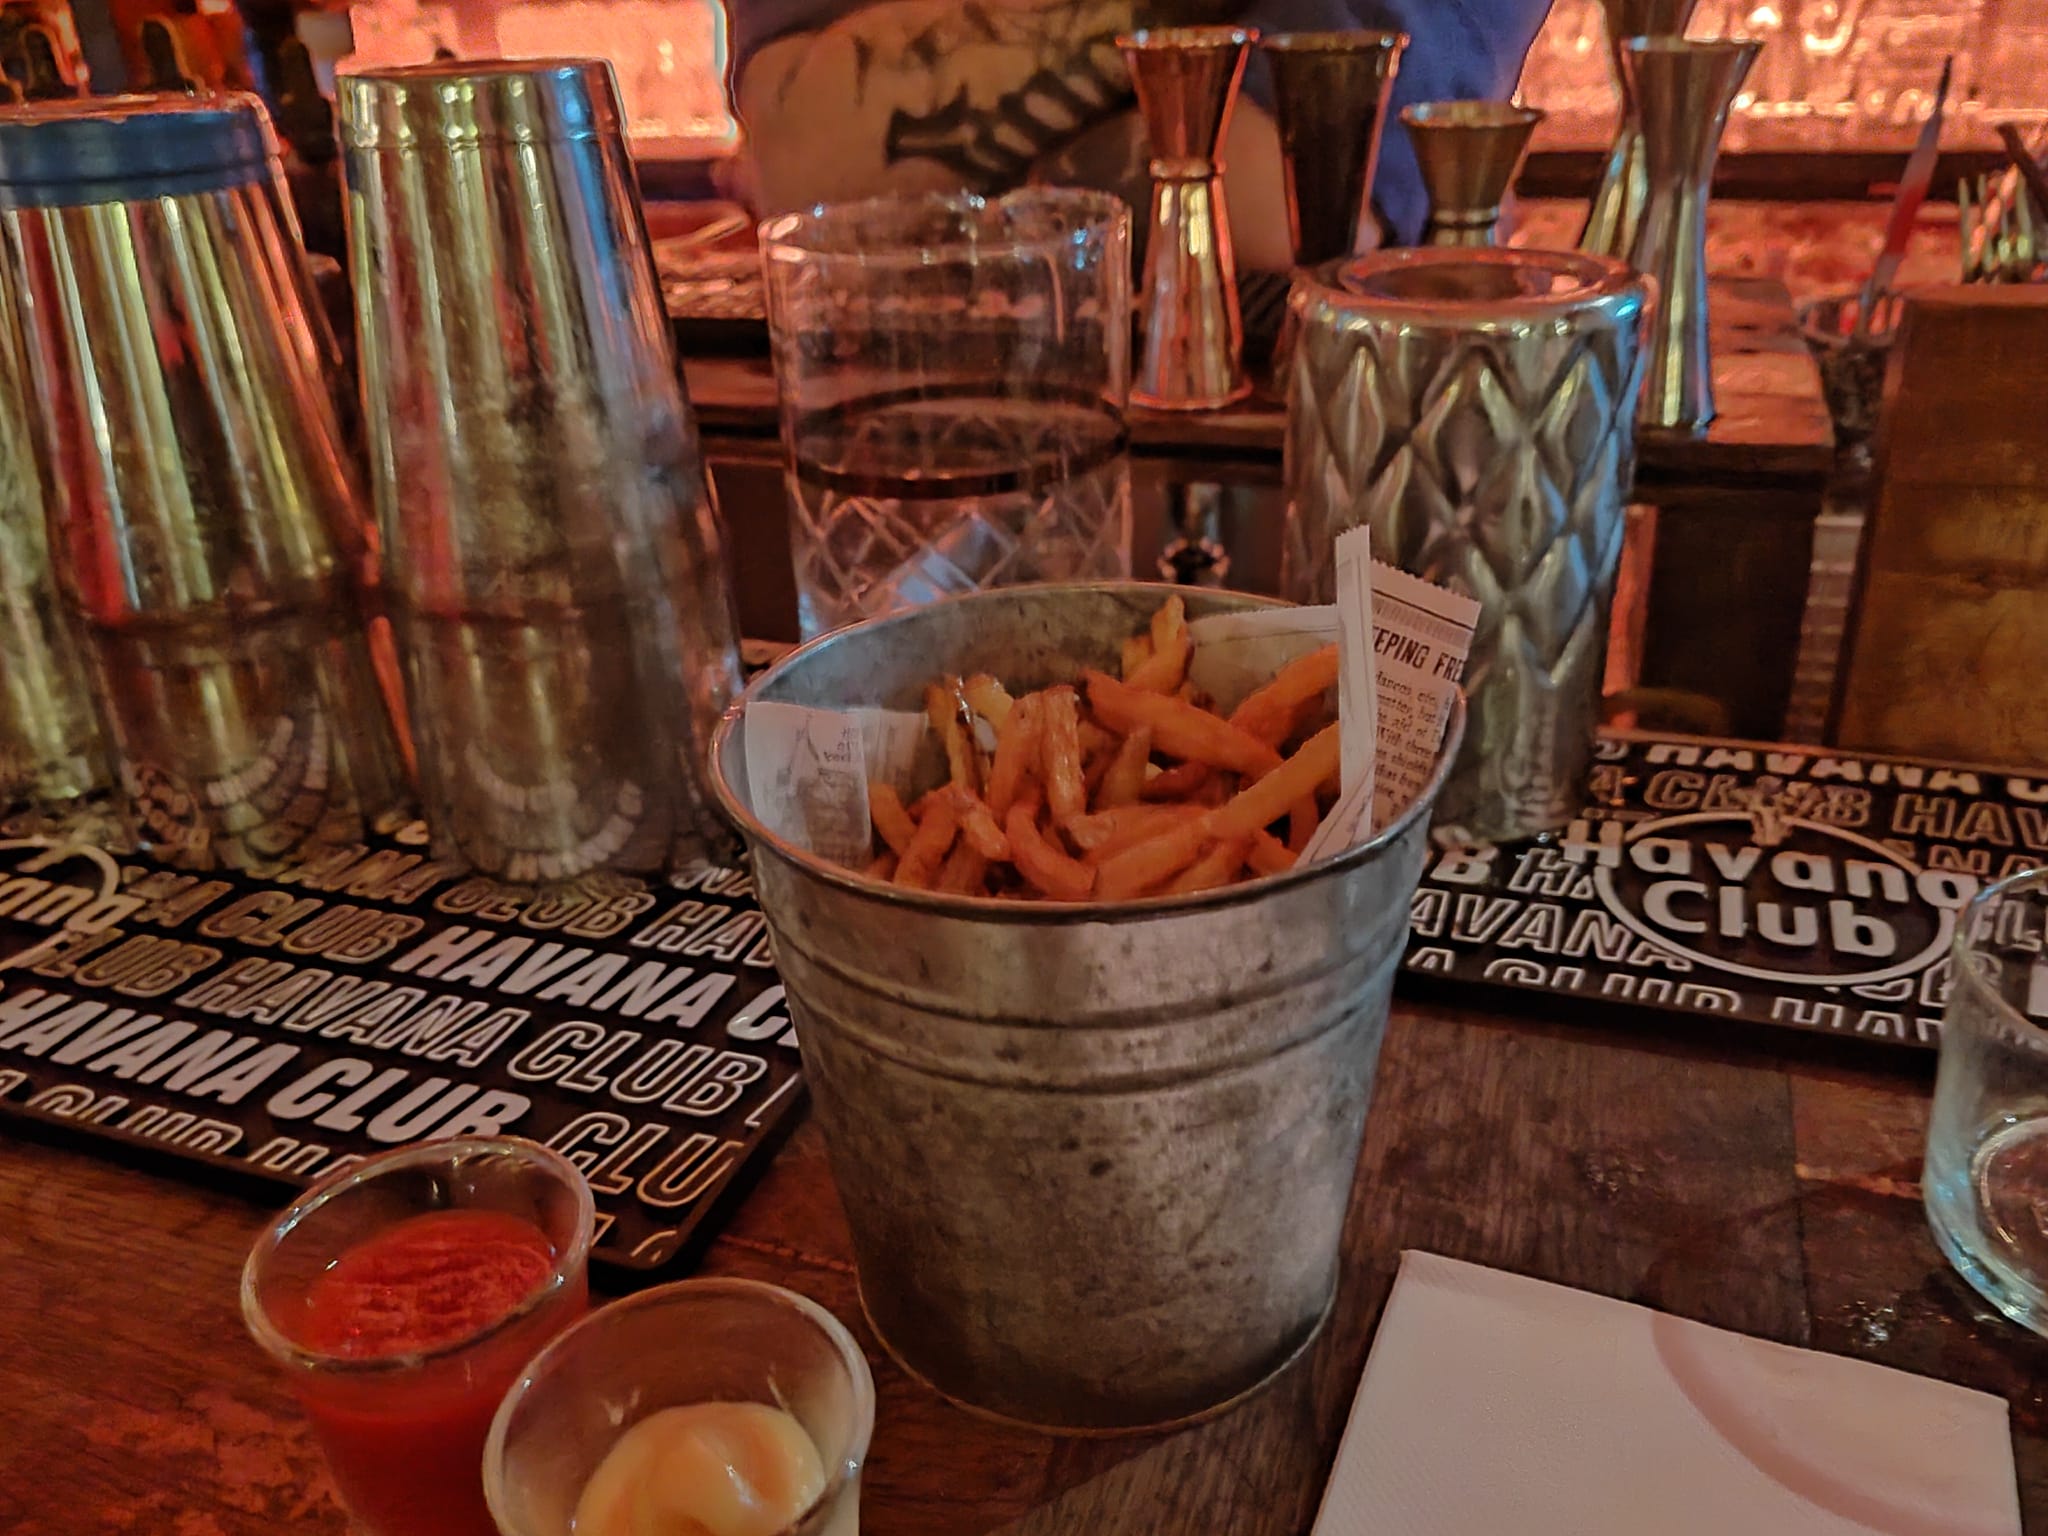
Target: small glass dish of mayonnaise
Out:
[725,1407]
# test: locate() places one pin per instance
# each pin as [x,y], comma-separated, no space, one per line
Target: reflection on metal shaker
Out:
[49,740]
[555,558]
[203,526]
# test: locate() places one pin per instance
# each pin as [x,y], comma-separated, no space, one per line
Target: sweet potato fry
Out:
[1151,863]
[944,707]
[978,826]
[1302,817]
[891,820]
[1179,729]
[1167,667]
[1048,869]
[1137,651]
[1270,712]
[1177,782]
[1124,783]
[1218,866]
[920,861]
[1017,748]
[1066,789]
[964,871]
[1267,855]
[1266,801]
[881,867]
[988,698]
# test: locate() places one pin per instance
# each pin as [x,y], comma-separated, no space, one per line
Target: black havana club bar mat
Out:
[1795,887]
[283,1028]
[279,1029]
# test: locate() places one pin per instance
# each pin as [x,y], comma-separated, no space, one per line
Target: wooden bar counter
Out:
[1753,1182]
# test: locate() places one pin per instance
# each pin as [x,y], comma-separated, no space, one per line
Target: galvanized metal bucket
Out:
[1095,1158]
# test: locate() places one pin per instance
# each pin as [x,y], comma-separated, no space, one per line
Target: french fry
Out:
[1066,790]
[1179,729]
[1167,667]
[1123,825]
[988,699]
[1219,866]
[1137,651]
[943,707]
[1266,801]
[1144,866]
[1302,817]
[1270,713]
[964,871]
[1017,748]
[1045,867]
[1096,771]
[919,862]
[978,826]
[1124,783]
[892,821]
[1268,855]
[881,867]
[1177,782]
[1094,738]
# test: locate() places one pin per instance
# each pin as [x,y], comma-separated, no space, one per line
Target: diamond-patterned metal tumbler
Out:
[1476,409]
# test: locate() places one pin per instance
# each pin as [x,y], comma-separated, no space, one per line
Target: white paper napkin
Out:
[1493,1403]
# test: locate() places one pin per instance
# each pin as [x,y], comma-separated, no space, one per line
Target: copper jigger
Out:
[1625,183]
[1193,353]
[1468,151]
[1684,91]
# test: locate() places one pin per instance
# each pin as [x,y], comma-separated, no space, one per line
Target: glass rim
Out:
[289,1352]
[1964,958]
[794,236]
[847,1467]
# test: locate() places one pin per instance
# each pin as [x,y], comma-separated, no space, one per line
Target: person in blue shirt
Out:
[854,98]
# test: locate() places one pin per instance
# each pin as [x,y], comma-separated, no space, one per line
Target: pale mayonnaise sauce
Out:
[708,1469]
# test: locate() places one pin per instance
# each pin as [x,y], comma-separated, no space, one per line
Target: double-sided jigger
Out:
[1193,355]
[1468,151]
[1617,207]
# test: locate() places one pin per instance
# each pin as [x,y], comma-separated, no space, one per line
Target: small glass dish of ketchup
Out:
[402,1297]
[720,1407]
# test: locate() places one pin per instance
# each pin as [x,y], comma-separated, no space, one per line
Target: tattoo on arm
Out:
[994,146]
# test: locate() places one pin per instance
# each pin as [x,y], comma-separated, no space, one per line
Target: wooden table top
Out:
[1731,1182]
[1772,424]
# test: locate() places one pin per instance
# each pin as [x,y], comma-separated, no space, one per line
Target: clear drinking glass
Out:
[404,1432]
[1986,1179]
[697,1341]
[953,373]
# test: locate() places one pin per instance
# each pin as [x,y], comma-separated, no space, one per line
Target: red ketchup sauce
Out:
[406,1445]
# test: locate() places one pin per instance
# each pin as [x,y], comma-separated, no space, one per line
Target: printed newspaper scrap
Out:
[1402,644]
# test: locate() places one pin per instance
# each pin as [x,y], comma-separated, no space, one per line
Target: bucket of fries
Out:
[1089,980]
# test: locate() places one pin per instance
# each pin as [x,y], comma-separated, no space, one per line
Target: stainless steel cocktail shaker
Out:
[555,564]
[203,524]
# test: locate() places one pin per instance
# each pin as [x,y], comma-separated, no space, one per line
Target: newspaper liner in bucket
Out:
[808,770]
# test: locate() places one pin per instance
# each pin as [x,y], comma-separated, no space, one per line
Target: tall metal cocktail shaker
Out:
[203,523]
[49,739]
[555,564]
